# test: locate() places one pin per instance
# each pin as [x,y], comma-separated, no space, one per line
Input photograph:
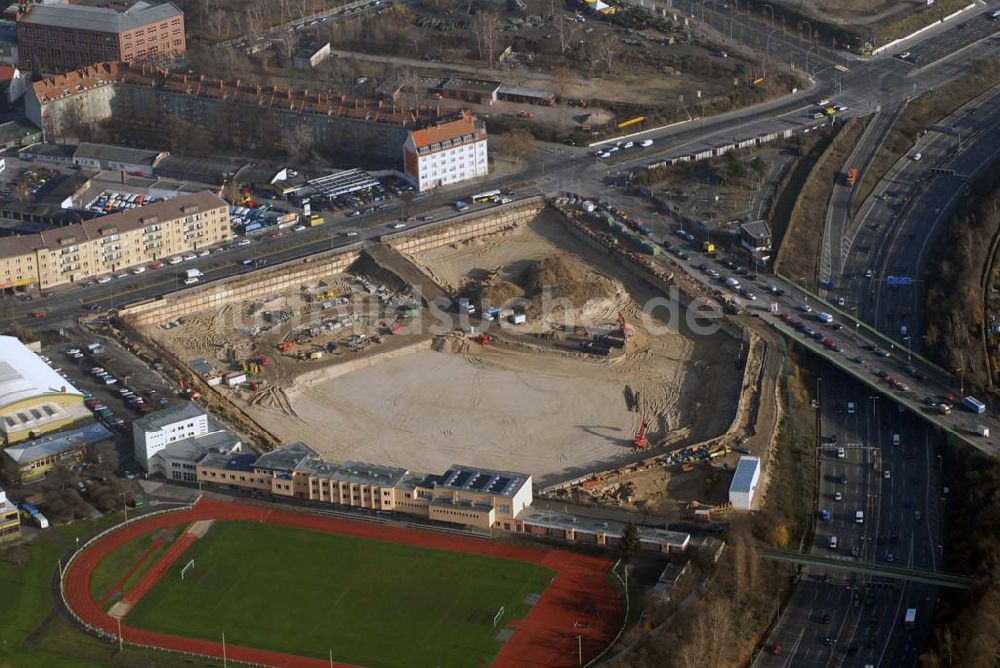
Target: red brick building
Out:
[59,38]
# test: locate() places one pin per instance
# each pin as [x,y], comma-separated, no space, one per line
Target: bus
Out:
[488,196]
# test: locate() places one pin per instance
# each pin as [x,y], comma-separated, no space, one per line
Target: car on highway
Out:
[805,308]
[837,496]
[841,453]
[860,360]
[886,475]
[398,226]
[138,270]
[190,256]
[104,279]
[121,275]
[869,273]
[748,295]
[157,265]
[917,156]
[205,253]
[241,242]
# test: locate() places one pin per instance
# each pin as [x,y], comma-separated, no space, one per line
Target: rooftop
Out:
[743,479]
[177,412]
[466,126]
[100,19]
[524,91]
[120,154]
[757,228]
[486,481]
[475,85]
[285,458]
[114,223]
[359,473]
[194,448]
[55,444]
[23,374]
[229,462]
[557,520]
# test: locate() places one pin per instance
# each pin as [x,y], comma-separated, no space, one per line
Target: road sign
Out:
[898,280]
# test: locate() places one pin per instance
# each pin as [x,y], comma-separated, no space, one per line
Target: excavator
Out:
[482,339]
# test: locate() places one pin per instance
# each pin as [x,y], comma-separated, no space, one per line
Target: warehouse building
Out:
[447,153]
[154,432]
[61,37]
[34,399]
[115,242]
[134,161]
[744,485]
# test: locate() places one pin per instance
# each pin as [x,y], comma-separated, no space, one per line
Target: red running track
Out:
[117,587]
[580,601]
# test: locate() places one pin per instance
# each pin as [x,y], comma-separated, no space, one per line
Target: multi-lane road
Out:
[850,620]
[896,228]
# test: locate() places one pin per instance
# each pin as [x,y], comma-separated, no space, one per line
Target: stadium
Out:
[278,587]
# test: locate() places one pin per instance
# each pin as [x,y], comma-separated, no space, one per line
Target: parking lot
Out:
[117,387]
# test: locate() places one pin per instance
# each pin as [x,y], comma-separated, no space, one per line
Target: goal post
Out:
[189,565]
[497,617]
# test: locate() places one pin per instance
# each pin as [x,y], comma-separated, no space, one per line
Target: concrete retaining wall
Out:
[456,230]
[340,368]
[240,288]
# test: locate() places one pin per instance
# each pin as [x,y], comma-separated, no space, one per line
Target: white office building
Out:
[446,153]
[744,485]
[158,430]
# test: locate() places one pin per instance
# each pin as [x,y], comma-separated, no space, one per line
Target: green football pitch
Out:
[372,603]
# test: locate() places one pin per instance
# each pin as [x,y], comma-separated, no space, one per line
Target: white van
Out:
[895,440]
[859,517]
[850,408]
[833,542]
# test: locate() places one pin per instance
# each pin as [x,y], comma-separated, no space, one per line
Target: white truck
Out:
[859,517]
[192,276]
[824,317]
[983,430]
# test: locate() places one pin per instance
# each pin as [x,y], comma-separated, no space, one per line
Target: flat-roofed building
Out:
[34,399]
[115,242]
[179,460]
[61,37]
[744,486]
[154,432]
[135,161]
[446,153]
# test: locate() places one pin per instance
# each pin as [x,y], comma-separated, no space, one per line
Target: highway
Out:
[895,229]
[841,619]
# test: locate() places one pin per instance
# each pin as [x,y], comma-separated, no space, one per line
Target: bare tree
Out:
[566,30]
[287,44]
[517,144]
[607,51]
[486,28]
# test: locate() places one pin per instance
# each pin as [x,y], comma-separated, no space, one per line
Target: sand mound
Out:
[499,293]
[564,278]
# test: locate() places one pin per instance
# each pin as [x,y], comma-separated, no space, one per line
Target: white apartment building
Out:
[446,153]
[156,431]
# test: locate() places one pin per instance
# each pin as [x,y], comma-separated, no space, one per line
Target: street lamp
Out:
[767,5]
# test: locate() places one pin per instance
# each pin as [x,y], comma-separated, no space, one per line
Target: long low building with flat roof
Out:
[115,242]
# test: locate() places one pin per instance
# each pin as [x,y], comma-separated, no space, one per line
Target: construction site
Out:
[502,340]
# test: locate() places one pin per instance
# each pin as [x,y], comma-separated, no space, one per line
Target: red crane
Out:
[624,328]
[641,442]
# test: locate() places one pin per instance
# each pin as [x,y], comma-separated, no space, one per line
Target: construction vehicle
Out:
[624,329]
[285,346]
[641,442]
[708,247]
[483,339]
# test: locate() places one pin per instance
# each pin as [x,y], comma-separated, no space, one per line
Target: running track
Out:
[579,601]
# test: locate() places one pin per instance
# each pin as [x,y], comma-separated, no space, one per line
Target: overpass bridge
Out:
[921,575]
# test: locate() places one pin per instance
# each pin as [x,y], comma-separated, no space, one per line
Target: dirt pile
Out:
[498,293]
[563,278]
